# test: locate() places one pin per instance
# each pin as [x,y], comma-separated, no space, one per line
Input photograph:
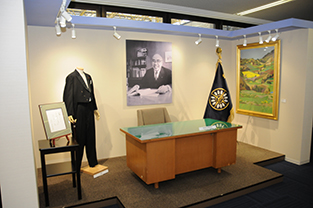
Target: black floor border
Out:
[242,191]
[270,161]
[100,203]
[235,194]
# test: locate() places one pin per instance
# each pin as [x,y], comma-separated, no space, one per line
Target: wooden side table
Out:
[51,170]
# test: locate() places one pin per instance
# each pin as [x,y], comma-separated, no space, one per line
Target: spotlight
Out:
[269,37]
[197,42]
[57,27]
[62,21]
[276,36]
[67,16]
[217,44]
[260,38]
[115,34]
[244,40]
[73,32]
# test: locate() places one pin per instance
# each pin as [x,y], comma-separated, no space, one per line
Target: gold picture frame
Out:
[258,75]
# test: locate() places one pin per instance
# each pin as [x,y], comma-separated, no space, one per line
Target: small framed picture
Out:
[55,120]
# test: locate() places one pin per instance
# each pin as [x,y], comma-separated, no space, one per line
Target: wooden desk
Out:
[158,152]
[51,170]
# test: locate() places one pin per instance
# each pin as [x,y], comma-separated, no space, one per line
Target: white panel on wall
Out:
[18,174]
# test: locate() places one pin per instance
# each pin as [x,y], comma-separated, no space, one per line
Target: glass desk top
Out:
[156,131]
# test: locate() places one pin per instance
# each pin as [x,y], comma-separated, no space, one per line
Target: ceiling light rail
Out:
[124,25]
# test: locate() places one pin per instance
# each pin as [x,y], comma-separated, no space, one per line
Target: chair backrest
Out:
[152,116]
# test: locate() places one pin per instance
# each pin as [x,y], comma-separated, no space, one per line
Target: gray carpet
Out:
[185,190]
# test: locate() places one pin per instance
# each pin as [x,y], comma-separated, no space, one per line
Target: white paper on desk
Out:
[148,92]
[205,128]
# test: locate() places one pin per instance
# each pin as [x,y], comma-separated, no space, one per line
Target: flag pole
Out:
[219,54]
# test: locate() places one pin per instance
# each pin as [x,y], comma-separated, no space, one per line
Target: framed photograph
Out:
[258,67]
[55,120]
[148,72]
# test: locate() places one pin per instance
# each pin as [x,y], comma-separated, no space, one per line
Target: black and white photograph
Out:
[149,72]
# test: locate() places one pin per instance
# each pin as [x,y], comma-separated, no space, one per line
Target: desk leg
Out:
[44,178]
[79,191]
[74,167]
[219,170]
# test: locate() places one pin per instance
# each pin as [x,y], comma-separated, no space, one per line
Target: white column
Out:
[17,169]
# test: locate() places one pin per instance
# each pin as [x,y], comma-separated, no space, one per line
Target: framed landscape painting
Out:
[258,67]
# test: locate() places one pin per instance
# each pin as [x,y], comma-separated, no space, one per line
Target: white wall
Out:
[17,170]
[291,134]
[51,58]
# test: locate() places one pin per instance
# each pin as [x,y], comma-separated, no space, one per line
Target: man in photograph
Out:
[158,77]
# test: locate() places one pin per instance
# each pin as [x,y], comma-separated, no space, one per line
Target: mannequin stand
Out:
[96,171]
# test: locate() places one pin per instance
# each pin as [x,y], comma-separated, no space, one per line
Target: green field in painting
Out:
[255,101]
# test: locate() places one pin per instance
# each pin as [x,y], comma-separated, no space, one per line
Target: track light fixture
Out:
[73,32]
[276,36]
[260,38]
[269,37]
[217,42]
[66,15]
[197,42]
[115,34]
[244,40]
[62,21]
[57,28]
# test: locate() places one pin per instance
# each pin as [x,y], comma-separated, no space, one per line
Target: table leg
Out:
[79,192]
[74,167]
[44,178]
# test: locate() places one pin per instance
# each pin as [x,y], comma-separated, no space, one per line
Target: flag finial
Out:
[219,53]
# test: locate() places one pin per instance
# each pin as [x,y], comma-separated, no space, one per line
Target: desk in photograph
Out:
[149,97]
[158,152]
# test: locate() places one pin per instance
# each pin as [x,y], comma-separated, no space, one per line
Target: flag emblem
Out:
[219,99]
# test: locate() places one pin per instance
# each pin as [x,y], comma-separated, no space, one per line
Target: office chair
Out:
[152,116]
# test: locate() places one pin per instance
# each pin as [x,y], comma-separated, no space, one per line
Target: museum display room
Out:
[37,61]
